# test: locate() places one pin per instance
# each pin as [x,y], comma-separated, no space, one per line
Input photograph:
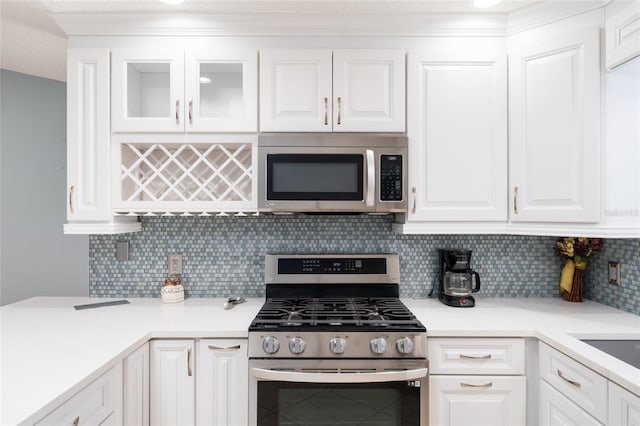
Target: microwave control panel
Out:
[391,178]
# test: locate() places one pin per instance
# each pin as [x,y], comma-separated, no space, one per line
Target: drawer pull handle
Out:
[463,356]
[71,190]
[339,109]
[571,382]
[76,421]
[415,197]
[190,111]
[470,385]
[189,369]
[177,109]
[229,349]
[326,111]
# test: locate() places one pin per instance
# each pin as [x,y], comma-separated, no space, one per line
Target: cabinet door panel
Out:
[222,383]
[477,400]
[148,90]
[295,90]
[558,410]
[622,34]
[221,90]
[458,149]
[624,407]
[368,90]
[554,132]
[136,387]
[88,135]
[172,382]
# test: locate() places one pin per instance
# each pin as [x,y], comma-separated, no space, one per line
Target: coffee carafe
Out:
[457,279]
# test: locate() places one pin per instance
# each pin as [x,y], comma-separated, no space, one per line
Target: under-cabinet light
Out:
[205,80]
[172,1]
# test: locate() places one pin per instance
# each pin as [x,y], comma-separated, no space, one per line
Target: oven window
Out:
[314,177]
[327,404]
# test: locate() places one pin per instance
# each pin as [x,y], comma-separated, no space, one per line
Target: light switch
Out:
[614,272]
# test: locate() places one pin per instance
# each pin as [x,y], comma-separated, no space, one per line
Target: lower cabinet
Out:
[557,409]
[222,393]
[99,403]
[477,400]
[172,382]
[624,407]
[136,387]
[202,382]
[477,381]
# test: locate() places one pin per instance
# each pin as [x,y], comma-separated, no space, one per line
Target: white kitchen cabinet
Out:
[624,407]
[368,90]
[558,410]
[476,381]
[136,387]
[148,90]
[295,90]
[177,90]
[172,382]
[221,88]
[586,388]
[554,128]
[99,403]
[88,153]
[317,90]
[477,400]
[622,33]
[222,382]
[457,129]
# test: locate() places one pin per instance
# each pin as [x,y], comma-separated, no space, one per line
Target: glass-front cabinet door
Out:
[221,90]
[147,90]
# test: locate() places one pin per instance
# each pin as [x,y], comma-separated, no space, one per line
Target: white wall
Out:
[36,258]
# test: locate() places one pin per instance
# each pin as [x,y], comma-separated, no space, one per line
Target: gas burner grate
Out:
[361,313]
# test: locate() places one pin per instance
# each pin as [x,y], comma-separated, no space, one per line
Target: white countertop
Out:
[50,351]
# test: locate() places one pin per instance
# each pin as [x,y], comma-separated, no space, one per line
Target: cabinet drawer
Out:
[580,384]
[477,400]
[476,356]
[94,405]
[556,409]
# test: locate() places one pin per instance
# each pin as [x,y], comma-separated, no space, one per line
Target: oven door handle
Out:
[371,178]
[296,376]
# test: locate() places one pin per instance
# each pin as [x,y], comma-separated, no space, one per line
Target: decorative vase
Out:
[572,279]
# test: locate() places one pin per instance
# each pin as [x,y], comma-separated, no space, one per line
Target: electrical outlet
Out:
[175,264]
[614,272]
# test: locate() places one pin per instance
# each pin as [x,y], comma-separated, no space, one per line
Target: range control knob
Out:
[270,345]
[405,345]
[337,345]
[378,345]
[296,345]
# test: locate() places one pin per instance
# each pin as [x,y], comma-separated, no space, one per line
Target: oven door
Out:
[338,392]
[326,179]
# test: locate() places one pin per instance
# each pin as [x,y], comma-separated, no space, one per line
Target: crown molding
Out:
[108,24]
[545,13]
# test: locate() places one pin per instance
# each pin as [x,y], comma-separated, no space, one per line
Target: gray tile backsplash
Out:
[225,255]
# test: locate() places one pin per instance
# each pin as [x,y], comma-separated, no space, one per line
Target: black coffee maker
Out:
[457,279]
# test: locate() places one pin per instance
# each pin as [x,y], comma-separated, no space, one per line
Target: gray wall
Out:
[36,258]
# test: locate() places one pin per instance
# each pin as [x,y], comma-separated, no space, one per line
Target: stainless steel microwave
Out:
[332,173]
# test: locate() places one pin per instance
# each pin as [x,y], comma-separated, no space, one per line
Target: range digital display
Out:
[332,266]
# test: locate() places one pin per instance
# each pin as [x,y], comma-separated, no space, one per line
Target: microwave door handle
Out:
[371,178]
[380,377]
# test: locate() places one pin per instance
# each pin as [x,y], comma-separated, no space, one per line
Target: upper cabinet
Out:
[554,129]
[316,90]
[458,150]
[173,90]
[622,33]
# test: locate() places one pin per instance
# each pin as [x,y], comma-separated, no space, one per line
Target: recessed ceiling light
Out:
[172,1]
[483,4]
[205,80]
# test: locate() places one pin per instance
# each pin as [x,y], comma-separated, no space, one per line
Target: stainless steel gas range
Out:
[334,345]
